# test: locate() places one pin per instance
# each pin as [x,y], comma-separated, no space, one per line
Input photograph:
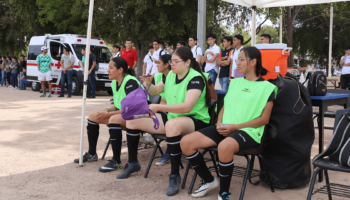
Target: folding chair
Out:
[327,164]
[162,137]
[250,162]
[152,100]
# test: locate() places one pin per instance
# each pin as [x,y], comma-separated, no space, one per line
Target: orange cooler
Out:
[274,59]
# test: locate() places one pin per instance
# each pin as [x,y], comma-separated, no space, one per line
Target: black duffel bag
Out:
[287,156]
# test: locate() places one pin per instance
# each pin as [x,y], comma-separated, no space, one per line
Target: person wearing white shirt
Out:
[180,44]
[196,50]
[162,46]
[345,71]
[210,57]
[237,42]
[157,52]
[148,61]
[116,51]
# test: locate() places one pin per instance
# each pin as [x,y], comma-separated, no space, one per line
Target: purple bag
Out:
[237,74]
[135,105]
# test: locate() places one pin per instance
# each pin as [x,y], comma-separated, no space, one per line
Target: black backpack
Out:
[338,148]
[317,83]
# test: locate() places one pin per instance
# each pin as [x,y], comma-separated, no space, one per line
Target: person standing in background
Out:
[44,67]
[224,61]
[162,46]
[345,71]
[210,57]
[116,51]
[180,44]
[3,72]
[14,68]
[67,63]
[23,80]
[265,39]
[196,50]
[22,65]
[129,54]
[237,42]
[148,61]
[8,71]
[157,52]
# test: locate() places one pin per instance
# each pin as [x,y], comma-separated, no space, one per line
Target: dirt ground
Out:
[39,139]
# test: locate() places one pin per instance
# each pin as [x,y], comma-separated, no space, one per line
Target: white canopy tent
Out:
[282,3]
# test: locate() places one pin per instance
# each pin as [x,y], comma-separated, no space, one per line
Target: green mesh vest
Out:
[158,78]
[118,96]
[245,101]
[176,93]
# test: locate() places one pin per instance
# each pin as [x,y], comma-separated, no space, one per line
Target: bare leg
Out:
[194,141]
[146,124]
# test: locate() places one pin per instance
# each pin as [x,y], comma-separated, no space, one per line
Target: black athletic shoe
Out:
[91,97]
[69,96]
[60,95]
[87,157]
[129,169]
[111,166]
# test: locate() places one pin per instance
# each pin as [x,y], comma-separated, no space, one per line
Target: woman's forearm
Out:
[176,108]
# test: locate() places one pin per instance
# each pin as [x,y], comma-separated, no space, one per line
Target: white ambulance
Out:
[56,43]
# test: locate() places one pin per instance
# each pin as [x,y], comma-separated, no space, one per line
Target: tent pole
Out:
[86,67]
[201,23]
[330,43]
[253,26]
[281,26]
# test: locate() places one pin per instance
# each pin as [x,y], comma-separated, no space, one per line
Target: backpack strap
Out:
[155,120]
[160,53]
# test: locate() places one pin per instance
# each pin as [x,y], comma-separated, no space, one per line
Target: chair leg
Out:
[192,183]
[313,183]
[104,153]
[186,173]
[152,158]
[314,117]
[252,160]
[328,186]
[245,178]
[214,162]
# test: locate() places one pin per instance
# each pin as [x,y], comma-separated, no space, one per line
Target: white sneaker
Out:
[205,187]
[148,139]
[10,87]
[16,87]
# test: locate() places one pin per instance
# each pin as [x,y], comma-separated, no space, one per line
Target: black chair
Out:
[162,137]
[327,164]
[250,162]
[153,100]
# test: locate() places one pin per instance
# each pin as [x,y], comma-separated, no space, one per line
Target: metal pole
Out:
[253,26]
[201,23]
[86,67]
[330,43]
[281,26]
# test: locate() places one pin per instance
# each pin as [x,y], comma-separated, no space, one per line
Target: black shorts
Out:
[198,124]
[242,138]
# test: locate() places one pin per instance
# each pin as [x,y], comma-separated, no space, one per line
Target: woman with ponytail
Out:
[188,98]
[123,83]
[241,121]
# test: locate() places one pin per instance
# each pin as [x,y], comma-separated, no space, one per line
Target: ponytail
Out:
[120,62]
[254,53]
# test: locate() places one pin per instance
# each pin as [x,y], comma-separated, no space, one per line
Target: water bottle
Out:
[295,72]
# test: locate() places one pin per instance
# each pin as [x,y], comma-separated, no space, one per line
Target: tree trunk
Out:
[11,50]
[140,54]
[289,35]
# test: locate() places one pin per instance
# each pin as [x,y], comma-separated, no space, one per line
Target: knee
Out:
[132,124]
[171,129]
[225,147]
[92,116]
[116,119]
[186,143]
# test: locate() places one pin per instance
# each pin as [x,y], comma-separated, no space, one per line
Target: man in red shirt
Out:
[129,54]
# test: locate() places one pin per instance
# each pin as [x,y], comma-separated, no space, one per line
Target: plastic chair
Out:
[327,164]
[250,162]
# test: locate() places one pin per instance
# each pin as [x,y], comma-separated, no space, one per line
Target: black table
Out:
[322,102]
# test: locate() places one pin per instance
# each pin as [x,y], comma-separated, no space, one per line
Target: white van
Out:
[55,43]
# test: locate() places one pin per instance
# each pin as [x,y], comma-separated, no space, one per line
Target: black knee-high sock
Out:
[175,152]
[93,130]
[133,137]
[225,171]
[115,133]
[198,164]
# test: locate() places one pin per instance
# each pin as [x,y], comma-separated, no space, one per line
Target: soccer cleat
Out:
[87,157]
[224,196]
[50,95]
[205,187]
[164,160]
[174,184]
[43,95]
[129,169]
[111,166]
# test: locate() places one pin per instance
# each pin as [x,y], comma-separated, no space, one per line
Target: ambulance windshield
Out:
[102,54]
